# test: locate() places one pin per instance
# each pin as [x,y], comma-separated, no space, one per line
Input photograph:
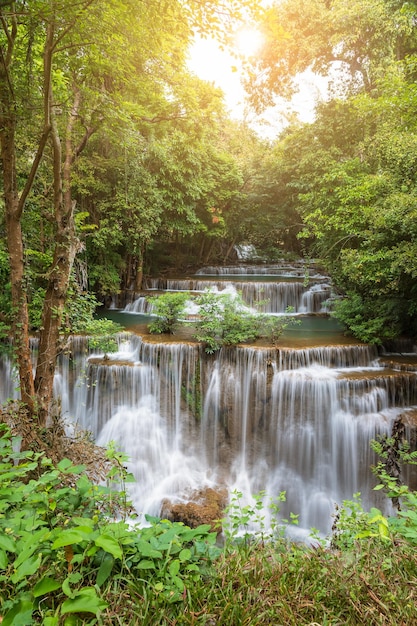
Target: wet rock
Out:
[205,506]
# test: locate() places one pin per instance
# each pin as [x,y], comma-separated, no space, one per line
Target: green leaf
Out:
[146,564]
[51,620]
[66,467]
[174,567]
[185,555]
[178,582]
[146,549]
[68,537]
[27,568]
[109,544]
[20,614]
[6,543]
[66,588]
[46,585]
[105,569]
[3,559]
[85,601]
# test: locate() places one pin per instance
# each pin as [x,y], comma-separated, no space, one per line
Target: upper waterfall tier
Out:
[282,269]
[268,297]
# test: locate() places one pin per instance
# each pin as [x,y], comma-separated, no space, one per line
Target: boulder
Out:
[203,506]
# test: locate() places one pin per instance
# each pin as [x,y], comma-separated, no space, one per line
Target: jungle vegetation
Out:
[117,162]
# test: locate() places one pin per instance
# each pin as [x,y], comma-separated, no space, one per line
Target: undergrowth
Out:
[69,556]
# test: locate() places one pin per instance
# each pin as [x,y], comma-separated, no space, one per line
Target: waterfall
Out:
[252,418]
[283,270]
[9,380]
[140,305]
[267,297]
[248,418]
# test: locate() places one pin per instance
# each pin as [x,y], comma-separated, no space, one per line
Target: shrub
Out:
[63,554]
[225,320]
[169,308]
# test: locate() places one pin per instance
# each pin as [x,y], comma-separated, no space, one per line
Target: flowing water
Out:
[297,418]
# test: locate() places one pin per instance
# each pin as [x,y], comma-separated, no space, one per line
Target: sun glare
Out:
[248,41]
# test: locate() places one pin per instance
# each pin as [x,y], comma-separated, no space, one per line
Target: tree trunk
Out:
[139,272]
[209,251]
[13,212]
[66,246]
[53,308]
[229,250]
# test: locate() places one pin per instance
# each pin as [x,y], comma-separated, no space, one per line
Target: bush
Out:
[62,554]
[370,320]
[225,320]
[169,308]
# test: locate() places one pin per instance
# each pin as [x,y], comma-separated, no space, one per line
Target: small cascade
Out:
[9,380]
[283,270]
[350,356]
[140,305]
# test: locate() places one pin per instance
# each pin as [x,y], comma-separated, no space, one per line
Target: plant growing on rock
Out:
[225,320]
[169,309]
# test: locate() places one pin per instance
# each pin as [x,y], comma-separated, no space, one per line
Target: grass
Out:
[289,585]
[295,585]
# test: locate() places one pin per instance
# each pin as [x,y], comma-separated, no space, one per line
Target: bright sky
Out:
[214,65]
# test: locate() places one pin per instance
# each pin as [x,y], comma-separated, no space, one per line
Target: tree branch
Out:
[33,170]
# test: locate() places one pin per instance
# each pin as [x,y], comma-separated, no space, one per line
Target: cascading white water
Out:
[140,305]
[281,269]
[268,297]
[249,418]
[8,380]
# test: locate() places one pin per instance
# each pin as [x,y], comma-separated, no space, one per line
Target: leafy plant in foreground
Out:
[248,523]
[63,554]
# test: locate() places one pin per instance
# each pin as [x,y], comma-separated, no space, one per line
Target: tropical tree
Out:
[62,80]
[355,193]
[353,42]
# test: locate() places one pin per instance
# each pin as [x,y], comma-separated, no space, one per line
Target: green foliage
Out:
[225,320]
[353,522]
[169,308]
[363,37]
[247,523]
[61,552]
[102,335]
[79,320]
[368,319]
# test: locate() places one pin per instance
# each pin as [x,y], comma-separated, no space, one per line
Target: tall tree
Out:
[61,77]
[354,42]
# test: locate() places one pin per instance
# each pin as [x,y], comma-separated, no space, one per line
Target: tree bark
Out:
[13,211]
[66,246]
[139,271]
